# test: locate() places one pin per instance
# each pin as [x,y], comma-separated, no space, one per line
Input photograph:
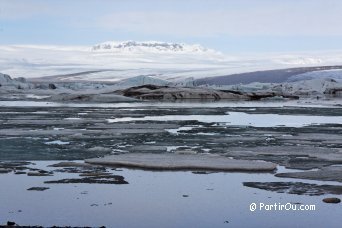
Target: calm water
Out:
[155,199]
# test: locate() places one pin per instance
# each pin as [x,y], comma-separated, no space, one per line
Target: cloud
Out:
[17,10]
[204,18]
[301,19]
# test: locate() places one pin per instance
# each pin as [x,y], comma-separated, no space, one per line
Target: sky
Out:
[230,26]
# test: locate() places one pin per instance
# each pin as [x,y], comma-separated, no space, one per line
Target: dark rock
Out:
[52,86]
[113,179]
[333,91]
[71,164]
[9,223]
[153,92]
[200,172]
[331,200]
[43,171]
[37,189]
[14,164]
[19,173]
[39,174]
[98,175]
[263,95]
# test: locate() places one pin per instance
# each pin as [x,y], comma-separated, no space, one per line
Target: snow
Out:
[318,86]
[57,142]
[18,83]
[239,119]
[300,61]
[314,86]
[5,79]
[142,80]
[332,74]
[114,61]
[150,46]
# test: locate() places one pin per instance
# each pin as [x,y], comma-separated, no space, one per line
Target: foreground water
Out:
[157,199]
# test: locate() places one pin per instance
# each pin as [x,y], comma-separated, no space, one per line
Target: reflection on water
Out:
[156,199]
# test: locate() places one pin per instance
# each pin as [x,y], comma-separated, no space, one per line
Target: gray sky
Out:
[231,26]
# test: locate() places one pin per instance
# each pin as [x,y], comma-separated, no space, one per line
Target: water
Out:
[46,130]
[290,103]
[156,199]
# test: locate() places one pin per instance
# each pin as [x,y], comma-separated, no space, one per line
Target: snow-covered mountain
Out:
[151,46]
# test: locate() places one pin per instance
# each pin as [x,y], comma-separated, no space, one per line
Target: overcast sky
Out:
[231,26]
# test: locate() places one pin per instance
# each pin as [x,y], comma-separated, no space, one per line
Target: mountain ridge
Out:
[153,46]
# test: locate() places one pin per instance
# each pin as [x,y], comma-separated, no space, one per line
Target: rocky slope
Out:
[152,92]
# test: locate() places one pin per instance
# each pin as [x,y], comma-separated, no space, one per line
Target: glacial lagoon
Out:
[294,136]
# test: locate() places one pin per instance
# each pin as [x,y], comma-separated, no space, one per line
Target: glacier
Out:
[116,60]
